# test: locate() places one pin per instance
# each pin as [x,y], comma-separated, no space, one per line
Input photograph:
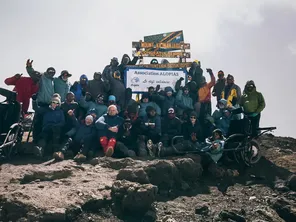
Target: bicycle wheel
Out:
[252,153]
[233,147]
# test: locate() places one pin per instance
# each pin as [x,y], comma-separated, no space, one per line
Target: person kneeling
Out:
[108,126]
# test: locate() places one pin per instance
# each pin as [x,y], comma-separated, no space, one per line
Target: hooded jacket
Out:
[121,67]
[143,106]
[218,88]
[100,109]
[96,87]
[196,74]
[184,101]
[46,86]
[167,102]
[25,88]
[221,120]
[252,102]
[190,130]
[77,88]
[61,87]
[232,94]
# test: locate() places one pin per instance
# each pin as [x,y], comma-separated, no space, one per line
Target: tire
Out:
[252,153]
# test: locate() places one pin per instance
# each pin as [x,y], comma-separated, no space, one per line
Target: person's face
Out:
[113,63]
[97,77]
[151,91]
[193,119]
[51,73]
[220,75]
[54,104]
[221,106]
[83,81]
[186,91]
[65,77]
[152,113]
[230,81]
[189,78]
[88,121]
[250,87]
[216,136]
[125,60]
[111,102]
[145,100]
[169,94]
[70,97]
[132,115]
[112,111]
[100,100]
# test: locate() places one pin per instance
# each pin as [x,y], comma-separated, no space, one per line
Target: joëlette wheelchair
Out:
[11,129]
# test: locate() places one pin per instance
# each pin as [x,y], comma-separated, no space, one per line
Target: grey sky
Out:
[251,39]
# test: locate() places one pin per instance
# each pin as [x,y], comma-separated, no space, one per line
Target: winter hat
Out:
[230,77]
[145,95]
[56,95]
[114,59]
[101,96]
[154,61]
[168,89]
[92,111]
[51,70]
[221,73]
[89,117]
[223,101]
[111,98]
[250,82]
[65,72]
[56,100]
[149,109]
[171,110]
[193,113]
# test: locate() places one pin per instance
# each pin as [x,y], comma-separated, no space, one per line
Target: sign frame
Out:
[178,65]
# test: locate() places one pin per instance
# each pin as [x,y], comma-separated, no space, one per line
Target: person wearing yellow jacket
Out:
[253,104]
[231,92]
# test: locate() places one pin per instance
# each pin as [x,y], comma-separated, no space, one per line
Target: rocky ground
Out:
[169,190]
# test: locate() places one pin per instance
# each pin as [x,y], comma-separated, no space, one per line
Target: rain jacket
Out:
[77,88]
[121,67]
[252,102]
[148,130]
[204,93]
[96,87]
[46,86]
[183,101]
[232,94]
[25,88]
[100,109]
[61,87]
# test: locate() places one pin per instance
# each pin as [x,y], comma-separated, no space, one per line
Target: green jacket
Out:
[252,102]
[61,87]
[46,86]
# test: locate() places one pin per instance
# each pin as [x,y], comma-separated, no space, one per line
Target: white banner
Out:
[140,79]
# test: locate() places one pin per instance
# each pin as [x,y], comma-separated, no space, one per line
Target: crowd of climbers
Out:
[100,114]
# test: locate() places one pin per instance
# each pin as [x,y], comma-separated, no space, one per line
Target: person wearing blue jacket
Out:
[80,87]
[183,101]
[108,126]
[52,124]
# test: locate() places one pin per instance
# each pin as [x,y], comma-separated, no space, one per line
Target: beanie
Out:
[111,98]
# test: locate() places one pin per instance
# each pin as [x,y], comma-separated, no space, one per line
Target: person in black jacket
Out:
[171,127]
[126,60]
[219,86]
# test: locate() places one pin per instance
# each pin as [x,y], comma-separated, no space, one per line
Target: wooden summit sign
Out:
[162,54]
[163,66]
[163,45]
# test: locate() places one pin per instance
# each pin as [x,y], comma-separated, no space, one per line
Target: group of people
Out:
[100,114]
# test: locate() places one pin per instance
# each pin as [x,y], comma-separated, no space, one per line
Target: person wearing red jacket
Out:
[25,88]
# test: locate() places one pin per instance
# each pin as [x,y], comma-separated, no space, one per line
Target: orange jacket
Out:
[204,93]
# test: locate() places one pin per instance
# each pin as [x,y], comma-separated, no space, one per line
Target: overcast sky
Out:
[251,39]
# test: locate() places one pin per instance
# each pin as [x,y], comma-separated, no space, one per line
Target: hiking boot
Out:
[80,158]
[58,156]
[94,161]
[39,151]
[150,148]
[109,151]
[159,148]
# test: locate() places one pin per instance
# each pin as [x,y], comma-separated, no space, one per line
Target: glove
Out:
[34,97]
[181,79]
[29,63]
[210,71]
[253,114]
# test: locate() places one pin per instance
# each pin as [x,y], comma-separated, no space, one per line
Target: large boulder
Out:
[133,197]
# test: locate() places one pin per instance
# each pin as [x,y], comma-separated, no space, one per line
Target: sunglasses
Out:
[192,117]
[55,103]
[51,72]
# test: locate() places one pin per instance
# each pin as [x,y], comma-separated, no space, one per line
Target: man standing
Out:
[231,92]
[219,86]
[97,86]
[253,104]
